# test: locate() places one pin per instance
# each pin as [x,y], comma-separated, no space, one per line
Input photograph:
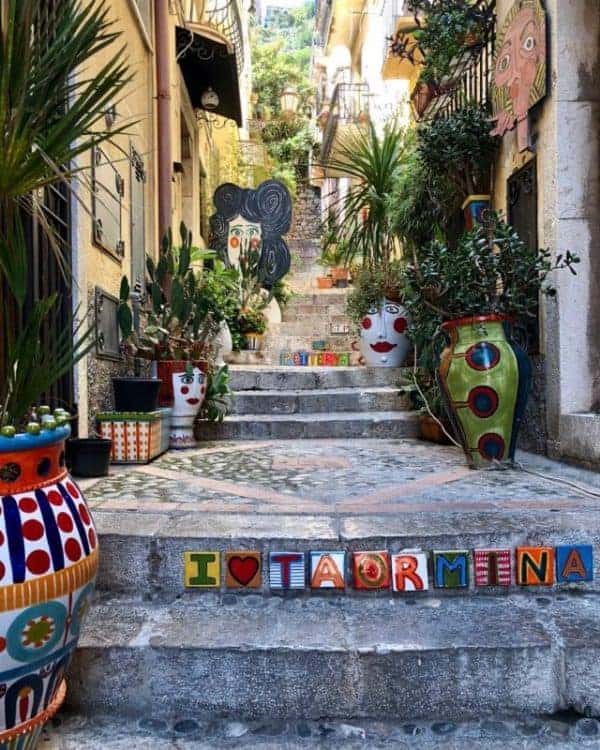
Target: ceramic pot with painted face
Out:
[484,377]
[383,340]
[184,389]
[48,564]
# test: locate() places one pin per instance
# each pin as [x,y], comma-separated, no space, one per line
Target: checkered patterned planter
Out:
[137,438]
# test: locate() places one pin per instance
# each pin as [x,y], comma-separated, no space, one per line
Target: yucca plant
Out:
[373,162]
[51,105]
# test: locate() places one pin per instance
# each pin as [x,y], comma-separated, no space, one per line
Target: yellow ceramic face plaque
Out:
[202,570]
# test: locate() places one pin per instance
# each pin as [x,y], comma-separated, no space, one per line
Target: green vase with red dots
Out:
[485,378]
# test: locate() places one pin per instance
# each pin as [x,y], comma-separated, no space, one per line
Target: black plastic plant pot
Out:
[88,457]
[136,394]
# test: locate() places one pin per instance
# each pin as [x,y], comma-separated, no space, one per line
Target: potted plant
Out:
[461,146]
[251,321]
[479,290]
[219,399]
[335,258]
[252,324]
[40,141]
[88,457]
[367,231]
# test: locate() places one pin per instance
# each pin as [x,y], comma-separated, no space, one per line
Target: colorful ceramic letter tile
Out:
[371,570]
[328,570]
[242,570]
[409,571]
[574,563]
[535,566]
[451,569]
[286,570]
[492,567]
[202,570]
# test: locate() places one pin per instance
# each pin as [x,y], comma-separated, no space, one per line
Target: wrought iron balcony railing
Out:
[349,106]
[221,16]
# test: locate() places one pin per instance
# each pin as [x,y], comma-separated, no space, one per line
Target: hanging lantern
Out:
[210,99]
[289,101]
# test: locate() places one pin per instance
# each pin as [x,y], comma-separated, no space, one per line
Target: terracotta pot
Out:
[484,377]
[432,431]
[339,273]
[324,282]
[48,564]
[383,339]
[185,393]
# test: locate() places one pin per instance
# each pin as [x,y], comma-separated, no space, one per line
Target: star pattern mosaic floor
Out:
[334,477]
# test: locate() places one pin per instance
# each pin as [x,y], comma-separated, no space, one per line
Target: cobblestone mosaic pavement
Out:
[523,733]
[336,478]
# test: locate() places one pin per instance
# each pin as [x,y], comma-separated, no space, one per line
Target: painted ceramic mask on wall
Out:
[243,237]
[244,216]
[189,390]
[383,335]
[519,69]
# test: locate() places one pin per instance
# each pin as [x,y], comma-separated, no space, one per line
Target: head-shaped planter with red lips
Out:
[189,390]
[383,340]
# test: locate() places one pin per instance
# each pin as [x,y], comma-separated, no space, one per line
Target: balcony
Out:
[219,19]
[348,113]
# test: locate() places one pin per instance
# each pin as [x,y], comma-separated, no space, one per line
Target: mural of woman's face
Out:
[242,237]
[189,390]
[523,49]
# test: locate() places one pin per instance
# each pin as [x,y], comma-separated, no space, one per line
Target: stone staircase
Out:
[314,402]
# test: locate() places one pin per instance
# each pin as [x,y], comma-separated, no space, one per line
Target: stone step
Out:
[567,731]
[307,401]
[258,378]
[314,326]
[312,312]
[351,424]
[251,658]
[323,297]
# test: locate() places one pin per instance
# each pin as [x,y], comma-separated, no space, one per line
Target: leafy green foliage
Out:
[363,216]
[445,29]
[490,271]
[40,140]
[219,396]
[460,146]
[371,286]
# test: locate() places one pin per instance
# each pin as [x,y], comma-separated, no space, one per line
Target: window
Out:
[108,189]
[137,224]
[145,12]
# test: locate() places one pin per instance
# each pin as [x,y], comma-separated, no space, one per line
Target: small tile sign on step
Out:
[406,571]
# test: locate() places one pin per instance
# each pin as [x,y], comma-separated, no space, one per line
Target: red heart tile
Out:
[243,569]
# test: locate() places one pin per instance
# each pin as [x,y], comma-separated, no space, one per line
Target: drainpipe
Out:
[165,160]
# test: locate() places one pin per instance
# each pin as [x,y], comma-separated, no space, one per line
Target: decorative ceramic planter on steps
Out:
[48,564]
[484,377]
[183,388]
[383,340]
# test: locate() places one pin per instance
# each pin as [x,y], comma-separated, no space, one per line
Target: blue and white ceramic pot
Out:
[48,564]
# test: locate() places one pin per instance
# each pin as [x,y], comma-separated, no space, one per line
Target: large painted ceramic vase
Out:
[484,378]
[48,563]
[383,340]
[183,388]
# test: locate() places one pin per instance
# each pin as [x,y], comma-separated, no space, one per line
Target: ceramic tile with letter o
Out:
[371,570]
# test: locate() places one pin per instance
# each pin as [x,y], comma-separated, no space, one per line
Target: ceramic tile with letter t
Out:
[202,570]
[328,570]
[287,570]
[371,570]
[242,569]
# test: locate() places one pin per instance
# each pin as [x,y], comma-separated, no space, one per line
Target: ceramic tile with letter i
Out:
[492,567]
[202,570]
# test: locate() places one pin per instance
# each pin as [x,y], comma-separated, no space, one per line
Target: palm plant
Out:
[373,162]
[51,104]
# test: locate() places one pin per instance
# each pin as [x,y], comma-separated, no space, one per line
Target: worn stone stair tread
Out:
[249,657]
[522,732]
[347,416]
[317,400]
[279,377]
